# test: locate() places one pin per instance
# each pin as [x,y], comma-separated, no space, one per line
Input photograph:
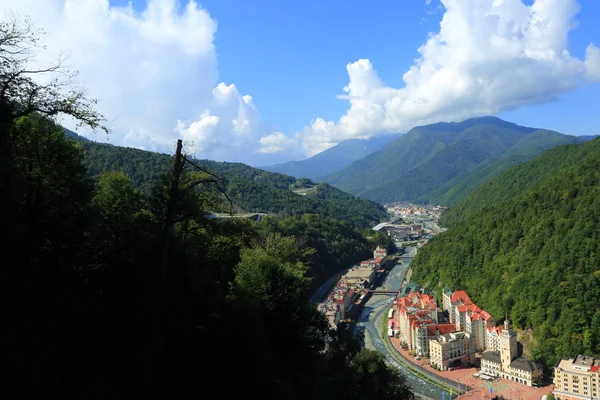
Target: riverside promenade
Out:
[480,389]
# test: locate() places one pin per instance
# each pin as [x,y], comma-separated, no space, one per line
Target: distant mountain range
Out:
[333,159]
[444,162]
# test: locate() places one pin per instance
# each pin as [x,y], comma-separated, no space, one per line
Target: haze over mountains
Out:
[444,162]
[333,159]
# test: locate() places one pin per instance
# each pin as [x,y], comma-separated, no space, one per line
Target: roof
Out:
[359,273]
[460,295]
[446,328]
[497,329]
[379,260]
[447,291]
[485,315]
[379,226]
[579,364]
[524,365]
[492,356]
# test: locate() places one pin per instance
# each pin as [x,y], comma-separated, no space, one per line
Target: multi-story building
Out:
[450,349]
[415,307]
[505,363]
[577,378]
[422,332]
[492,342]
[446,303]
[467,316]
[476,324]
[360,276]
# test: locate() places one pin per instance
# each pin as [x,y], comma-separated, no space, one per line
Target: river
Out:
[370,323]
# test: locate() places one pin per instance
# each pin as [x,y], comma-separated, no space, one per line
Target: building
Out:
[467,316]
[450,350]
[379,253]
[492,342]
[418,322]
[505,363]
[577,378]
[476,324]
[446,304]
[362,276]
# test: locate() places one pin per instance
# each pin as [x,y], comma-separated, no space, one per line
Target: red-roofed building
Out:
[379,253]
[467,317]
[418,322]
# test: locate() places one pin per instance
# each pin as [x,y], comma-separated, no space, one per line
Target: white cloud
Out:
[154,72]
[592,63]
[489,56]
[276,142]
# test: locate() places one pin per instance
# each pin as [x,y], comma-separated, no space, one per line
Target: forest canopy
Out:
[119,290]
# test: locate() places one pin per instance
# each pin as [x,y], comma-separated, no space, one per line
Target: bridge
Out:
[388,292]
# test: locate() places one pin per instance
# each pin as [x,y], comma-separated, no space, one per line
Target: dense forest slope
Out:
[531,253]
[251,189]
[444,162]
[333,159]
[516,180]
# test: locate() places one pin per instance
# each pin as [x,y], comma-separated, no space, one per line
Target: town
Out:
[453,334]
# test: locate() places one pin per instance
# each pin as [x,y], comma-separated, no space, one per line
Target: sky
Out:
[268,81]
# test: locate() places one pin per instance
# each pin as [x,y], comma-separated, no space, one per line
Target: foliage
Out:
[21,94]
[337,244]
[444,162]
[115,293]
[250,189]
[87,320]
[533,256]
[517,179]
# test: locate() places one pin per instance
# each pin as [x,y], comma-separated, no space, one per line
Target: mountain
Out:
[516,180]
[333,159]
[250,189]
[444,162]
[526,244]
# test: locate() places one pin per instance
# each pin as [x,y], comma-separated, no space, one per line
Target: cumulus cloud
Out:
[276,142]
[488,56]
[154,72]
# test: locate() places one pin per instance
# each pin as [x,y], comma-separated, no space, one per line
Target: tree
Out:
[373,379]
[20,92]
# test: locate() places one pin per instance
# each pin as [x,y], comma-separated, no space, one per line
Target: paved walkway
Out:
[481,389]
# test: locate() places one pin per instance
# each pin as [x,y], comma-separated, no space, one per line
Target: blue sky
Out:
[260,81]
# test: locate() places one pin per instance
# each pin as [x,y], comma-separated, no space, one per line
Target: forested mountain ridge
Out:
[250,189]
[516,180]
[444,162]
[333,159]
[529,248]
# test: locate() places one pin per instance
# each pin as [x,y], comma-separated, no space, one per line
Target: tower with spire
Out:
[508,346]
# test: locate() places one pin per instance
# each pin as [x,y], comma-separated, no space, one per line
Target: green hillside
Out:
[333,159]
[444,162]
[533,253]
[526,149]
[251,189]
[517,179]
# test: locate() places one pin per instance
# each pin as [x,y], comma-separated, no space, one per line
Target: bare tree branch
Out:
[20,92]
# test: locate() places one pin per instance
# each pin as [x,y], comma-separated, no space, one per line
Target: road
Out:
[324,289]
